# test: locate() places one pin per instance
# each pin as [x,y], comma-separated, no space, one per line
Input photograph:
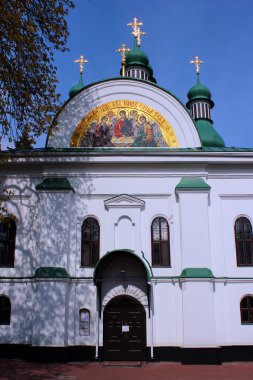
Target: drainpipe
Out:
[151,322]
[97,338]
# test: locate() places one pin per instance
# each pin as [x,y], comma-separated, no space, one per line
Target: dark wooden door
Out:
[124,330]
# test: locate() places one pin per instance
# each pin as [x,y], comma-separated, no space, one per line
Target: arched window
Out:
[243,241]
[5,310]
[246,307]
[90,242]
[84,320]
[7,242]
[160,240]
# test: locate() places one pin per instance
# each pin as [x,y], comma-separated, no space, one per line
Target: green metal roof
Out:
[51,272]
[207,134]
[119,151]
[54,183]
[196,273]
[192,183]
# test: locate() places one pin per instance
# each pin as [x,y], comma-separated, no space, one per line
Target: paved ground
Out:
[20,370]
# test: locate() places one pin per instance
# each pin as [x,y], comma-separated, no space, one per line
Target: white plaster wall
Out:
[230,331]
[21,296]
[167,314]
[50,313]
[231,196]
[53,240]
[194,228]
[23,203]
[198,314]
[234,206]
[175,309]
[82,295]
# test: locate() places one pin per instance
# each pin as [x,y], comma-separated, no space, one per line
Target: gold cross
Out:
[123,50]
[81,62]
[197,62]
[139,34]
[135,24]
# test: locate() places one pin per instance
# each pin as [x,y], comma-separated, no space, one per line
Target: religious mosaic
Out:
[124,123]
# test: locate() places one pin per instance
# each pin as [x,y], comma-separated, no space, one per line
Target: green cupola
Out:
[200,105]
[79,86]
[199,91]
[135,62]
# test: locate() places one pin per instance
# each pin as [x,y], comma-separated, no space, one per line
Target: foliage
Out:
[4,213]
[30,32]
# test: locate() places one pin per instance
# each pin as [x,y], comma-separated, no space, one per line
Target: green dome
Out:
[208,135]
[136,57]
[199,91]
[77,87]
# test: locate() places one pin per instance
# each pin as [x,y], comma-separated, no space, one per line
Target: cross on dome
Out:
[123,50]
[81,62]
[139,34]
[197,62]
[135,24]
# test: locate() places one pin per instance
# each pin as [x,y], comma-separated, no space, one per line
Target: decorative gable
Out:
[124,201]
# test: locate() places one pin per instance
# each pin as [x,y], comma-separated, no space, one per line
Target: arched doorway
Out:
[124,329]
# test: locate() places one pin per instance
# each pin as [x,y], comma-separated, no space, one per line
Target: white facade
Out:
[125,190]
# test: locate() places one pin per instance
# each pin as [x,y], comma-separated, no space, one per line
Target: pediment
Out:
[124,201]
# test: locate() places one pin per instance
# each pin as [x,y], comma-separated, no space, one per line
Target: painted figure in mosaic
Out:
[102,132]
[123,127]
[145,135]
[90,137]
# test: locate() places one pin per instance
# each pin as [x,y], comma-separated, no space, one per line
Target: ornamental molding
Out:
[236,196]
[129,290]
[124,201]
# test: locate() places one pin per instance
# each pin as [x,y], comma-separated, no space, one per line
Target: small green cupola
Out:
[137,64]
[200,91]
[79,86]
[136,60]
[200,105]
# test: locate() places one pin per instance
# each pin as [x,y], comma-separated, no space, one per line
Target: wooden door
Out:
[124,330]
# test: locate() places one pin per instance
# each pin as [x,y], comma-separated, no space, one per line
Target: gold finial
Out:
[139,34]
[81,62]
[197,62]
[123,50]
[135,24]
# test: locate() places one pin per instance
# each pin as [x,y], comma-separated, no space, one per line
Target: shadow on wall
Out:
[46,234]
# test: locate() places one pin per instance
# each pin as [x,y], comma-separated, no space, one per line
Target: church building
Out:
[132,231]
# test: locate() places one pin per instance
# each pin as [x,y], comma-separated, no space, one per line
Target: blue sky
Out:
[219,31]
